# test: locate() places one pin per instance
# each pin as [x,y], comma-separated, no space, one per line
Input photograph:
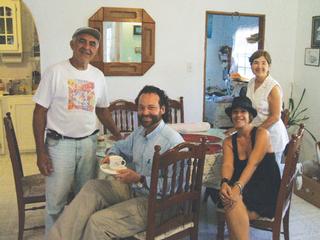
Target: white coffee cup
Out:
[117,162]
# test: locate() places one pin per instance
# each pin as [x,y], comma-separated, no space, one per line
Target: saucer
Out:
[106,169]
[100,154]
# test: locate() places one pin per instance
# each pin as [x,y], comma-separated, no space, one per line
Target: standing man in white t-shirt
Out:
[70,96]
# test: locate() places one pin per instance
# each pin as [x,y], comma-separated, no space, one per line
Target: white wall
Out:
[307,76]
[180,37]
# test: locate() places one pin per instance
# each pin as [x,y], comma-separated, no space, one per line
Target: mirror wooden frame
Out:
[147,40]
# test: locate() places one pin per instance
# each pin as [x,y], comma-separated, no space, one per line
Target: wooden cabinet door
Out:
[10,26]
[21,109]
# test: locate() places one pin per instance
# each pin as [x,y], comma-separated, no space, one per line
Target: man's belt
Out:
[55,135]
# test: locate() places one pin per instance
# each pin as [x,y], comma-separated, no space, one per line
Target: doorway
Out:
[231,38]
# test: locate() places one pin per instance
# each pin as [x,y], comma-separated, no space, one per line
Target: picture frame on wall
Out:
[311,57]
[315,35]
[137,30]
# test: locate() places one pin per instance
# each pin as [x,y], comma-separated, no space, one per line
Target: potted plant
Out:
[294,115]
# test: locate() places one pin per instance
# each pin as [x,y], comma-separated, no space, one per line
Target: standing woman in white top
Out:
[266,96]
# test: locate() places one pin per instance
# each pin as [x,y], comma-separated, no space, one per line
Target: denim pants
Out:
[74,163]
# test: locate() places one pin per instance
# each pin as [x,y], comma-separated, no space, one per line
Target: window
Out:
[10,26]
[242,50]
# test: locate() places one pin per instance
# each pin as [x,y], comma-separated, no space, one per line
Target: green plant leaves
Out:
[297,115]
[294,111]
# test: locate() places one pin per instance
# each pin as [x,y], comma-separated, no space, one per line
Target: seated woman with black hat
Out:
[250,175]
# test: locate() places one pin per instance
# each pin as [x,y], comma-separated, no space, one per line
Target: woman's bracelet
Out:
[238,184]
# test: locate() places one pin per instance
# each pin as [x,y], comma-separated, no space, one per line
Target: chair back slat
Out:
[181,177]
[176,107]
[173,179]
[177,175]
[188,174]
[124,114]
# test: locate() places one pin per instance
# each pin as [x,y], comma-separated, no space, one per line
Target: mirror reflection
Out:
[122,41]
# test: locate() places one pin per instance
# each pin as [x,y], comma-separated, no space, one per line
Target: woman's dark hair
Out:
[260,53]
[163,102]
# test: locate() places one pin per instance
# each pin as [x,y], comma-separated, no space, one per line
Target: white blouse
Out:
[259,97]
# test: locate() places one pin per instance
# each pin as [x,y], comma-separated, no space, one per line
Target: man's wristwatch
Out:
[141,182]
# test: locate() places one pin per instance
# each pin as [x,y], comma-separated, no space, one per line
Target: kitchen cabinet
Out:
[21,108]
[10,26]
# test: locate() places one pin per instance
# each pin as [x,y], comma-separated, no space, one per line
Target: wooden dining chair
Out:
[29,189]
[213,147]
[176,107]
[284,194]
[124,114]
[175,189]
[285,117]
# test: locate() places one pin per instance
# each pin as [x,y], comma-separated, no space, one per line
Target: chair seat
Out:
[142,235]
[265,219]
[33,186]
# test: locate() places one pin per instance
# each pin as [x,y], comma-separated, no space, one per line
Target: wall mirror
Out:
[231,38]
[127,42]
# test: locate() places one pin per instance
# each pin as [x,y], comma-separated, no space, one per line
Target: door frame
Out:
[262,19]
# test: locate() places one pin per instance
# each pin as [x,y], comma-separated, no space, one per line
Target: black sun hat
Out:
[241,102]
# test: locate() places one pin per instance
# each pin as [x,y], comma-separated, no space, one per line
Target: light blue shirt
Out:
[139,149]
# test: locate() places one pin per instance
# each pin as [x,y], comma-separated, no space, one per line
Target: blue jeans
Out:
[74,163]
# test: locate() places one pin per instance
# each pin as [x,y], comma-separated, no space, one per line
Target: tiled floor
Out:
[304,217]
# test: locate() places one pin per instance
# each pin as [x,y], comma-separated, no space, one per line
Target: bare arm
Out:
[105,118]
[39,125]
[227,165]
[227,172]
[275,101]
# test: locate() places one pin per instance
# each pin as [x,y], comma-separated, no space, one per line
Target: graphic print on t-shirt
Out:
[81,95]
